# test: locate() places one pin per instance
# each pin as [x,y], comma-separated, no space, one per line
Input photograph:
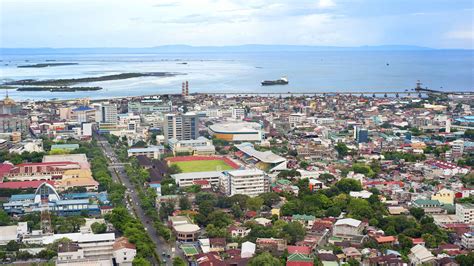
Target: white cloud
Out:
[461,35]
[326,3]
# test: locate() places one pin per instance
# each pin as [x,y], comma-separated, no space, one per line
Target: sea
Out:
[242,72]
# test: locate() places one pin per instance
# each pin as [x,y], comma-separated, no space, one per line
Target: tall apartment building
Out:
[250,182]
[106,113]
[465,213]
[361,135]
[181,126]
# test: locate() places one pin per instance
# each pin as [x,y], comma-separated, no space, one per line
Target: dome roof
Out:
[8,101]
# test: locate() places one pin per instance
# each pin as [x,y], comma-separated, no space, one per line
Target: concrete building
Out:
[467,240]
[153,152]
[181,126]
[238,131]
[250,182]
[348,227]
[148,106]
[267,160]
[187,179]
[296,119]
[238,113]
[184,229]
[419,255]
[12,232]
[199,146]
[465,213]
[445,196]
[106,113]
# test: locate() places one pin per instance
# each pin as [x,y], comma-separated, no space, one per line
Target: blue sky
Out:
[146,23]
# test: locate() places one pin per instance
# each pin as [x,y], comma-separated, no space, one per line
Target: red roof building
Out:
[24,184]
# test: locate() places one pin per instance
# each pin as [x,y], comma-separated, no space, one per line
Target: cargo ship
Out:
[281,81]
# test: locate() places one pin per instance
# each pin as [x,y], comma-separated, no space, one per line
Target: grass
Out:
[189,250]
[202,166]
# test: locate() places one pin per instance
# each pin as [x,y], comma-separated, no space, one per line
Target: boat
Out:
[281,81]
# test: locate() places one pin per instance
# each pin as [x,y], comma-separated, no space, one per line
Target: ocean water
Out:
[325,71]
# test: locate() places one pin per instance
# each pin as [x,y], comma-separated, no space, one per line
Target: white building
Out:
[467,240]
[12,232]
[248,249]
[420,255]
[250,182]
[348,227]
[199,146]
[465,213]
[106,113]
[296,119]
[238,113]
[187,179]
[153,152]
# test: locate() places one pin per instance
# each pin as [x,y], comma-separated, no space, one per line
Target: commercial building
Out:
[465,213]
[348,227]
[199,146]
[106,113]
[40,171]
[266,160]
[250,182]
[467,240]
[12,232]
[14,123]
[149,106]
[153,152]
[187,179]
[181,126]
[296,119]
[83,114]
[361,135]
[71,204]
[445,196]
[184,229]
[238,131]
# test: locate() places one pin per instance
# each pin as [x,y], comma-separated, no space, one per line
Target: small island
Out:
[41,65]
[59,89]
[73,81]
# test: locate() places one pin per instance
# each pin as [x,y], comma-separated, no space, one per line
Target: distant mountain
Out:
[208,49]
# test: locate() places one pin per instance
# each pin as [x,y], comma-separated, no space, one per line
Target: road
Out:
[118,173]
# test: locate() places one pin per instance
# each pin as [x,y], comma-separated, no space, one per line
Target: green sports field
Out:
[202,166]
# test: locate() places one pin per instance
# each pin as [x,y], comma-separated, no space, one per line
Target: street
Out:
[118,173]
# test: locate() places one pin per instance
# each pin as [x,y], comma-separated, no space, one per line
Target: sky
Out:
[149,23]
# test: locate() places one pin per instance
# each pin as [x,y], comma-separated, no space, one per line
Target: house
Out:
[351,253]
[299,249]
[237,231]
[263,221]
[297,259]
[364,194]
[271,244]
[390,240]
[124,251]
[328,259]
[348,227]
[217,244]
[445,196]
[387,260]
[248,249]
[306,220]
[420,255]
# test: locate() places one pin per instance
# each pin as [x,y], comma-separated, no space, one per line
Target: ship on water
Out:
[281,81]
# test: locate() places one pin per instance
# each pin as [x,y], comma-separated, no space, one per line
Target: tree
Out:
[184,203]
[177,261]
[353,262]
[333,211]
[98,228]
[418,213]
[12,245]
[270,198]
[347,185]
[264,259]
[295,232]
[465,260]
[140,261]
[405,242]
[219,219]
[4,218]
[342,149]
[255,203]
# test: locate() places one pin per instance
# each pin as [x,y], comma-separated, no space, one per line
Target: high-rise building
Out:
[106,113]
[250,182]
[361,135]
[181,126]
[185,89]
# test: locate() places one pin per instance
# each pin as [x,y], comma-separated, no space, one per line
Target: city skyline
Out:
[146,23]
